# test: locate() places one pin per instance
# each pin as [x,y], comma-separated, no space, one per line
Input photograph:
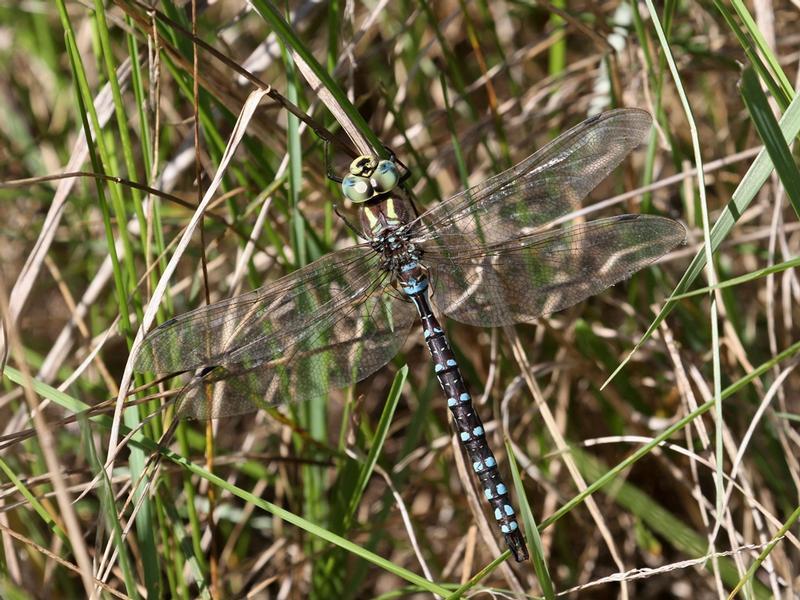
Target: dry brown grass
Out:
[516,75]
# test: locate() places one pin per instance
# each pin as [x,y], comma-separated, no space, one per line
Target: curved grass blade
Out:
[764,49]
[148,445]
[660,520]
[749,576]
[534,540]
[747,277]
[612,473]
[33,501]
[377,442]
[290,39]
[751,183]
[478,577]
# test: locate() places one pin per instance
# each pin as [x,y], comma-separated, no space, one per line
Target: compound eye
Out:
[385,176]
[357,189]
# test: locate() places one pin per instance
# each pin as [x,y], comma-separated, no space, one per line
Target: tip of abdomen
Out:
[517,545]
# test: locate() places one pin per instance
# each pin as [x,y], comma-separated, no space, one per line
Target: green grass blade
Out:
[749,577]
[197,566]
[144,517]
[534,539]
[770,133]
[34,502]
[85,106]
[120,110]
[719,423]
[291,40]
[378,440]
[304,524]
[295,152]
[148,445]
[763,47]
[781,94]
[747,189]
[660,520]
[612,473]
[108,509]
[475,580]
[752,276]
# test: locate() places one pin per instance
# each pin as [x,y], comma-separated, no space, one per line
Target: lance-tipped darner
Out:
[487,256]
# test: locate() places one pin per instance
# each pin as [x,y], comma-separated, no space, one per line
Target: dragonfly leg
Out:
[346,221]
[328,170]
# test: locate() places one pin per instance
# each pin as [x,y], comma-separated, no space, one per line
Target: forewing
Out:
[548,184]
[351,345]
[518,280]
[264,323]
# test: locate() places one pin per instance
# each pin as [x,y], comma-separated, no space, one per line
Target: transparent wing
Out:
[518,280]
[263,322]
[548,184]
[336,312]
[353,344]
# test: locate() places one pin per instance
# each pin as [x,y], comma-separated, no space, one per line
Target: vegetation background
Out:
[679,479]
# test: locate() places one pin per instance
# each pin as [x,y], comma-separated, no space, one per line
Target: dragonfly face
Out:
[369,178]
[386,211]
[378,191]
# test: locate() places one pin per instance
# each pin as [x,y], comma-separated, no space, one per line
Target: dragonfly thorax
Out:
[400,257]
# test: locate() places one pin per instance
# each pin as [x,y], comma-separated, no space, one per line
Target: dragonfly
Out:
[488,257]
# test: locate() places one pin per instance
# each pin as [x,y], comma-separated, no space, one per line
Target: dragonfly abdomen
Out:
[469,427]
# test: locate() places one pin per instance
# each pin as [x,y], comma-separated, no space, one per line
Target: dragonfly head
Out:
[369,177]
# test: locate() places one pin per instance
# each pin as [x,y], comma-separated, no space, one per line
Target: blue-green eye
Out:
[385,177]
[357,189]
